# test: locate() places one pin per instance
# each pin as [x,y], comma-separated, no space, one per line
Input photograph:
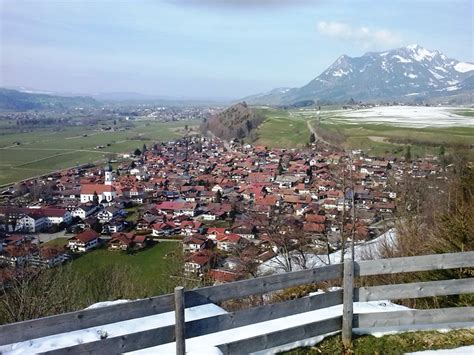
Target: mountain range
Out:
[19,100]
[408,74]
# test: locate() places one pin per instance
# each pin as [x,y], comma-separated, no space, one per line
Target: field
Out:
[381,130]
[43,151]
[282,130]
[150,267]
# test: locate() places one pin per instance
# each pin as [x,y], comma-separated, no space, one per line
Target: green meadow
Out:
[28,154]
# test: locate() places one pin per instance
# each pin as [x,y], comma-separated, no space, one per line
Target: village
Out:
[232,206]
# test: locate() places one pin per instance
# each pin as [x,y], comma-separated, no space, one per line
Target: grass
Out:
[58,242]
[42,150]
[384,139]
[149,266]
[393,344]
[282,130]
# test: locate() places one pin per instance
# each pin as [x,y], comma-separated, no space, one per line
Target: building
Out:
[84,241]
[104,192]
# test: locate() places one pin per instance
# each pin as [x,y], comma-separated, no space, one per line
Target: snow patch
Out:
[436,75]
[457,351]
[420,54]
[411,75]
[401,59]
[340,72]
[464,67]
[452,88]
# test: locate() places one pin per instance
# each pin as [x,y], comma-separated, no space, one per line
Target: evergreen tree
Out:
[408,154]
[95,199]
[441,151]
[137,152]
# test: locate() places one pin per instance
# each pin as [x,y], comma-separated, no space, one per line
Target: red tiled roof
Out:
[86,236]
[89,189]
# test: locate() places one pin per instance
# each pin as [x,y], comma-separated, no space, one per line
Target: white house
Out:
[84,241]
[104,192]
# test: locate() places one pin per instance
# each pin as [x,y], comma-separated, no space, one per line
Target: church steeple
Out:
[108,175]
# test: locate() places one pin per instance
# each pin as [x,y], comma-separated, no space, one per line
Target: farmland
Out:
[28,154]
[381,131]
[282,130]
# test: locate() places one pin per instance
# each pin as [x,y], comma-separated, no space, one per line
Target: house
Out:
[191,227]
[49,257]
[121,241]
[84,211]
[194,243]
[108,213]
[113,226]
[198,263]
[220,276]
[228,242]
[177,208]
[104,192]
[84,241]
[164,229]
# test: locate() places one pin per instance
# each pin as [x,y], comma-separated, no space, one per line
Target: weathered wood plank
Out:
[414,290]
[260,285]
[347,308]
[37,328]
[414,317]
[262,313]
[179,329]
[154,337]
[414,263]
[270,340]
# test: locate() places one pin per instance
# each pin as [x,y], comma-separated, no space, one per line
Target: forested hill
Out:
[18,100]
[236,122]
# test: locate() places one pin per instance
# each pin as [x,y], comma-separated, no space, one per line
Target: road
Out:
[313,131]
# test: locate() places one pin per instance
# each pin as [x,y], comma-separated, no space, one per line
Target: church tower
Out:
[108,175]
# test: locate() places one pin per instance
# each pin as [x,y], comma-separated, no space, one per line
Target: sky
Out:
[210,48]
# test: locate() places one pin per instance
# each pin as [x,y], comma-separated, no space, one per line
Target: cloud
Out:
[243,4]
[368,37]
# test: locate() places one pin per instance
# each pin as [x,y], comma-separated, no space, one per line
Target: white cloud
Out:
[368,37]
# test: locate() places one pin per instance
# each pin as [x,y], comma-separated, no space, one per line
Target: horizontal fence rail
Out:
[414,317]
[12,333]
[163,335]
[414,290]
[414,264]
[282,337]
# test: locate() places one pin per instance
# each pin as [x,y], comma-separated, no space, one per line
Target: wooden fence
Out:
[347,272]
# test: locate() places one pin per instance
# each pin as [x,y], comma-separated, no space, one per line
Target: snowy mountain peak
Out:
[393,74]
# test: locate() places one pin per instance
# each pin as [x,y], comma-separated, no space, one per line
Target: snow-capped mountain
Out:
[403,72]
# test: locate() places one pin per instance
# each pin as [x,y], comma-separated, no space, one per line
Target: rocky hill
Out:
[235,122]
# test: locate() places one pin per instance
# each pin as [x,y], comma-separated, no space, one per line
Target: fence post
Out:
[347,308]
[179,320]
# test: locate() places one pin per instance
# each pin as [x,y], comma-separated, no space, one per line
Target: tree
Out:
[408,154]
[441,151]
[218,196]
[95,199]
[137,152]
[144,149]
[312,138]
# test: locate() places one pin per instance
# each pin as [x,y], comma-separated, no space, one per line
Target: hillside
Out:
[235,122]
[410,73]
[18,100]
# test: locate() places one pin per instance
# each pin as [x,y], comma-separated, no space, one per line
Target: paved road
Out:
[46,237]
